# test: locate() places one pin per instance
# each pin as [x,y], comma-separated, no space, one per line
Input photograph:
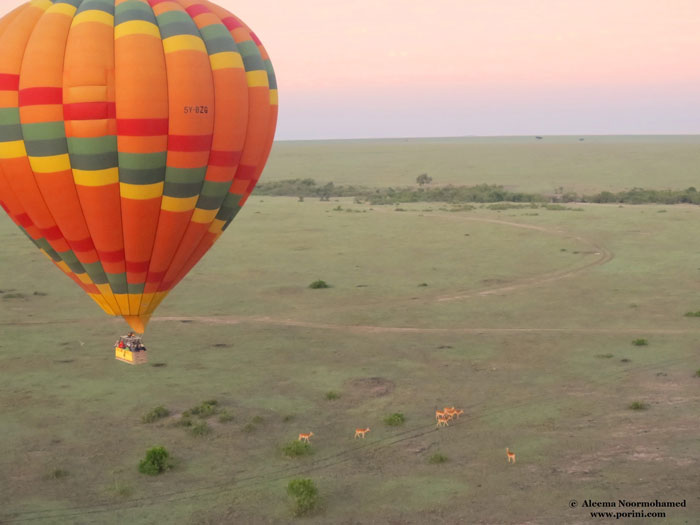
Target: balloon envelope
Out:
[131,134]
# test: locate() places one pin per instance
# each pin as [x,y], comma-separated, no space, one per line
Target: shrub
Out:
[698,373]
[206,409]
[638,405]
[437,458]
[604,356]
[422,285]
[58,473]
[184,421]
[225,417]
[249,428]
[201,429]
[395,419]
[157,460]
[640,342]
[305,495]
[692,314]
[332,395]
[319,284]
[296,448]
[154,415]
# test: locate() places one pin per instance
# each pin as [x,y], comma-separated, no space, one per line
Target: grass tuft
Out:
[201,429]
[332,395]
[394,420]
[692,314]
[640,342]
[437,458]
[296,448]
[319,284]
[638,405]
[157,413]
[225,417]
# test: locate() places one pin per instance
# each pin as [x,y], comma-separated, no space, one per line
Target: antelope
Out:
[440,414]
[442,421]
[305,437]
[458,413]
[360,432]
[511,455]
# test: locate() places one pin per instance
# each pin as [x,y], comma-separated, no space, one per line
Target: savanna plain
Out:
[561,331]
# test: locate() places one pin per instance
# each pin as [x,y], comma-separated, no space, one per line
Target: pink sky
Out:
[390,68]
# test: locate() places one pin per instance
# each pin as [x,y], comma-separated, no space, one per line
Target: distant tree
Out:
[424,178]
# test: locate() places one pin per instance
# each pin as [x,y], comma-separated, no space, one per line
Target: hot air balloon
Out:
[131,134]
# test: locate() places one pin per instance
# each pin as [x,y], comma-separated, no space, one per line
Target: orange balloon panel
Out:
[131,134]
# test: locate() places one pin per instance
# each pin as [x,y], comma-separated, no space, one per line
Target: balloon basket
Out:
[129,349]
[132,358]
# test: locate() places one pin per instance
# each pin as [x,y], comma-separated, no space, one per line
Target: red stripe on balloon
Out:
[231,23]
[137,267]
[82,245]
[9,82]
[51,234]
[111,257]
[245,173]
[90,111]
[142,127]
[195,10]
[224,159]
[189,143]
[24,220]
[40,96]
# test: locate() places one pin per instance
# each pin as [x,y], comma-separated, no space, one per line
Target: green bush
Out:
[437,458]
[296,448]
[305,495]
[154,415]
[395,419]
[201,429]
[206,409]
[319,284]
[184,421]
[692,314]
[157,460]
[332,395]
[638,405]
[640,342]
[698,373]
[58,473]
[225,417]
[604,356]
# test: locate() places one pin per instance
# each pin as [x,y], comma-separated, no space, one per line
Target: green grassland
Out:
[598,163]
[522,317]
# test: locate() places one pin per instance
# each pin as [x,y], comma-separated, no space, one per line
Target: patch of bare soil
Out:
[371,386]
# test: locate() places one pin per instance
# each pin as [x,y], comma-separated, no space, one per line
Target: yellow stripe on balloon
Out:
[136,27]
[203,216]
[226,60]
[102,303]
[12,150]
[217,226]
[141,191]
[94,15]
[50,164]
[184,43]
[123,302]
[84,278]
[96,177]
[62,9]
[274,97]
[41,4]
[63,266]
[176,204]
[257,79]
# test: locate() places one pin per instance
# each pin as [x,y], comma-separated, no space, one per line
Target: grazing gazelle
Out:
[442,421]
[457,413]
[305,437]
[360,432]
[511,455]
[440,414]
